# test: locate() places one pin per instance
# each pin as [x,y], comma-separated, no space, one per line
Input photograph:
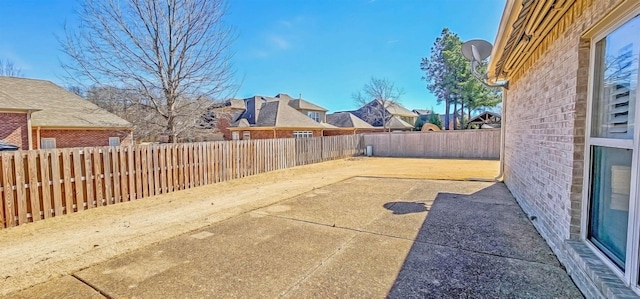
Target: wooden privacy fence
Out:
[40,184]
[471,144]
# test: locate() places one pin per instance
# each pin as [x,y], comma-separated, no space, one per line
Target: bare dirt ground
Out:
[37,252]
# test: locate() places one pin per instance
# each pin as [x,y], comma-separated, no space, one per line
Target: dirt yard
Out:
[43,250]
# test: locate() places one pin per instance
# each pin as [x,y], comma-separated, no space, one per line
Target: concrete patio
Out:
[363,236]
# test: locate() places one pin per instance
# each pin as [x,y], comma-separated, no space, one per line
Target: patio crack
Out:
[405,239]
[316,267]
[95,288]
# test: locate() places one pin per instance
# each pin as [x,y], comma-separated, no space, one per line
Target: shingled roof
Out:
[300,103]
[8,102]
[347,120]
[58,107]
[397,123]
[280,114]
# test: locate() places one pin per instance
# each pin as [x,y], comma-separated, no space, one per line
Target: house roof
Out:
[486,117]
[422,111]
[397,109]
[300,104]
[524,27]
[8,102]
[328,126]
[280,114]
[397,123]
[58,107]
[236,104]
[347,120]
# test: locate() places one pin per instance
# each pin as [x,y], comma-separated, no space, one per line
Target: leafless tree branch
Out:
[175,55]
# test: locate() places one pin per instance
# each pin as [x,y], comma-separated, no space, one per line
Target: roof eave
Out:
[509,15]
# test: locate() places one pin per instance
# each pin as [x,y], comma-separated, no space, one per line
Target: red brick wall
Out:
[13,129]
[289,133]
[83,138]
[337,132]
[261,134]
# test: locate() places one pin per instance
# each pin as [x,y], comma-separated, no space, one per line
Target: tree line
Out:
[162,65]
[448,76]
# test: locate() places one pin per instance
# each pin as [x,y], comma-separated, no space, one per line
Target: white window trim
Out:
[303,134]
[114,138]
[55,145]
[632,262]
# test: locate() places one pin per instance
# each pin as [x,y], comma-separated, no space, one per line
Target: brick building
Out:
[278,117]
[39,114]
[571,148]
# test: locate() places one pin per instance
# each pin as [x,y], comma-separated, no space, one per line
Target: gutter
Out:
[503,128]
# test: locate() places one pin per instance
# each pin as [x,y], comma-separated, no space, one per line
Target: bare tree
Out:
[9,69]
[375,99]
[173,53]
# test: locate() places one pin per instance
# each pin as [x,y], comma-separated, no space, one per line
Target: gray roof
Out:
[347,120]
[58,107]
[236,104]
[280,114]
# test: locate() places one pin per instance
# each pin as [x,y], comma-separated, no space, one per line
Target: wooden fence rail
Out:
[467,144]
[41,184]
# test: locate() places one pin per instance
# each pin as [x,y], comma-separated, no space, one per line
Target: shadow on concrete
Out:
[480,246]
[405,207]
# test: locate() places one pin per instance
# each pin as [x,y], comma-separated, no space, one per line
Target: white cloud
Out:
[278,42]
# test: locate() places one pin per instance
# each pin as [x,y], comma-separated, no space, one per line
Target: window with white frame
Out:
[114,141]
[235,135]
[611,175]
[314,115]
[47,143]
[302,134]
[246,135]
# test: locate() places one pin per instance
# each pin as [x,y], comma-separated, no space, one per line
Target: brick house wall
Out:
[329,132]
[268,133]
[545,122]
[14,130]
[83,138]
[289,133]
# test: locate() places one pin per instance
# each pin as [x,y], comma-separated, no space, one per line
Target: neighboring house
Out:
[486,120]
[346,123]
[424,115]
[379,115]
[38,114]
[572,149]
[222,115]
[279,117]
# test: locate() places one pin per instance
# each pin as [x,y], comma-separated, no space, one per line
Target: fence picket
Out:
[78,182]
[44,183]
[34,192]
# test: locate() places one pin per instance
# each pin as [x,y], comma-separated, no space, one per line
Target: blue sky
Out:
[323,49]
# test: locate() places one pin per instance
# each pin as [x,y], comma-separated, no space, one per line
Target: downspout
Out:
[503,128]
[29,131]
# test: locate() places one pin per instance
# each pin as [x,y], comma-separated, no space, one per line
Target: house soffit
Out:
[538,24]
